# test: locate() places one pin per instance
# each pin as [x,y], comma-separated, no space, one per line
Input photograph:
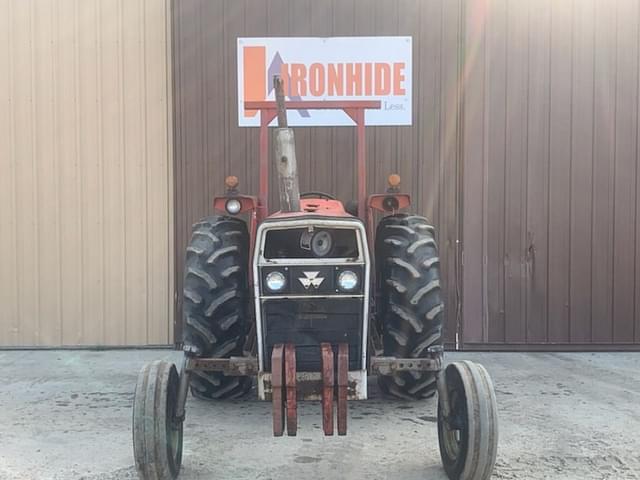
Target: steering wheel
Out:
[326,196]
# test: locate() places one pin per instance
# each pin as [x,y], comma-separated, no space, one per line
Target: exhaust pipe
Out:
[285,150]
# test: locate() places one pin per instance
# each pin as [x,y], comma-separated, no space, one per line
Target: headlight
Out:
[233,206]
[390,204]
[321,243]
[276,281]
[347,280]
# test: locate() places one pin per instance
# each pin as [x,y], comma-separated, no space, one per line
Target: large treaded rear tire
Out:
[409,304]
[216,296]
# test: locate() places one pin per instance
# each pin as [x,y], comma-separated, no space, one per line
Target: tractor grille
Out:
[309,322]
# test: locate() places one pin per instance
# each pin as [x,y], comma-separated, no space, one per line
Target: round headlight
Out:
[275,281]
[390,204]
[347,280]
[321,243]
[233,206]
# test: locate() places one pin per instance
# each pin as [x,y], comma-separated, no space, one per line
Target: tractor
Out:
[307,302]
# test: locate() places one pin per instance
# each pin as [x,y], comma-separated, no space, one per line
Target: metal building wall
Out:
[209,144]
[550,121]
[523,146]
[86,234]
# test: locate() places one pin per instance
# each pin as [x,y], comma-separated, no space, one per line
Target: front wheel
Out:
[157,433]
[468,435]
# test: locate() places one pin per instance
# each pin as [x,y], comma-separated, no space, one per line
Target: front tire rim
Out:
[455,426]
[173,427]
[174,432]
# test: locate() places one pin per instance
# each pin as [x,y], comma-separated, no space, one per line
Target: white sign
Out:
[335,68]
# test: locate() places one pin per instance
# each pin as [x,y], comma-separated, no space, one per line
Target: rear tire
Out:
[216,297]
[409,304]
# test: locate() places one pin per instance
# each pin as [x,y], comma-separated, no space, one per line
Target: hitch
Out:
[390,365]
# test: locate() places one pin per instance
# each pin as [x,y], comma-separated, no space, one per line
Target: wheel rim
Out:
[451,440]
[173,425]
[455,431]
[174,432]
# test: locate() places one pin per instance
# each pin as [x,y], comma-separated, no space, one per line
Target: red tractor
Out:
[310,301]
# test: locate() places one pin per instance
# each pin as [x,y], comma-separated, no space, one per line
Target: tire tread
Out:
[216,298]
[409,304]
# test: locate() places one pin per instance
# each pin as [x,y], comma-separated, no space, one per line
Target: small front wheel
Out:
[157,433]
[468,435]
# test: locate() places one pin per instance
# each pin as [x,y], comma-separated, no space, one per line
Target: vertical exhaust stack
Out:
[285,149]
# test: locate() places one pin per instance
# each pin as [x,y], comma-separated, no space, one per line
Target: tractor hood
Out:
[311,272]
[317,207]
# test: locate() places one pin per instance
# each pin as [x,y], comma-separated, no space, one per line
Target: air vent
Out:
[311,207]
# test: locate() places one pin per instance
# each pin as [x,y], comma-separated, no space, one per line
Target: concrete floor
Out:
[66,415]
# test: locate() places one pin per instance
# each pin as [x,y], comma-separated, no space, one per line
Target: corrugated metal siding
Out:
[550,119]
[525,111]
[209,144]
[86,235]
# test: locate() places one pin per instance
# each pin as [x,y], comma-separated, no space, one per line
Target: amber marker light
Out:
[231,182]
[394,180]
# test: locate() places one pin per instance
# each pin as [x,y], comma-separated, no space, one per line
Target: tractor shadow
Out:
[387,438]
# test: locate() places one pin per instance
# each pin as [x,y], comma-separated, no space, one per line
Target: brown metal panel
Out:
[559,171]
[255,25]
[187,137]
[364,25]
[300,20]
[426,63]
[567,157]
[474,166]
[447,113]
[322,146]
[432,173]
[235,139]
[603,170]
[209,144]
[544,212]
[516,173]
[179,204]
[278,22]
[213,84]
[637,216]
[343,153]
[495,176]
[581,171]
[383,159]
[553,347]
[537,195]
[626,169]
